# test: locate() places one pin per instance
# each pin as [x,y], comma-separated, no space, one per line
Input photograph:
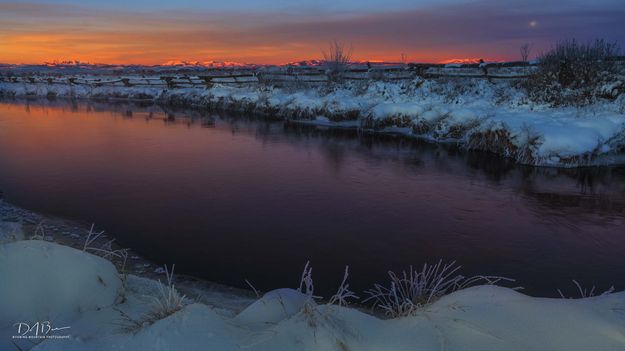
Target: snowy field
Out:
[92,306]
[478,114]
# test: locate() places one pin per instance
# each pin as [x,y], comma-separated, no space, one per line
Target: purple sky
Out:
[280,31]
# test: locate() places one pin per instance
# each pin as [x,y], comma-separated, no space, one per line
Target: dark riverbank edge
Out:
[74,233]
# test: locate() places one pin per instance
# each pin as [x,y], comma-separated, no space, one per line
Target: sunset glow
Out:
[271,32]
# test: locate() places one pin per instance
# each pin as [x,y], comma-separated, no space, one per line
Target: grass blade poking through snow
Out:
[412,290]
[343,293]
[583,292]
[169,300]
[306,285]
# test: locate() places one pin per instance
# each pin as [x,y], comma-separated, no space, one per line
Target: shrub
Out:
[413,290]
[525,51]
[336,60]
[572,73]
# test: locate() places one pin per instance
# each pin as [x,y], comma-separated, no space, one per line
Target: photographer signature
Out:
[40,329]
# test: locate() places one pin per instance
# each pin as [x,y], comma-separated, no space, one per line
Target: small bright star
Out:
[533,24]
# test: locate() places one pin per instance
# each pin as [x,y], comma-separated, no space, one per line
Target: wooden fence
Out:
[290,74]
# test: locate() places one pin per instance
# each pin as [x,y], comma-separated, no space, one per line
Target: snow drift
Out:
[46,279]
[42,280]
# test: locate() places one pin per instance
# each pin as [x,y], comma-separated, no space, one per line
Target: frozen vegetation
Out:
[495,116]
[106,310]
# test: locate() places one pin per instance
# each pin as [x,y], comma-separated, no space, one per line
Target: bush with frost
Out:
[336,59]
[412,290]
[574,73]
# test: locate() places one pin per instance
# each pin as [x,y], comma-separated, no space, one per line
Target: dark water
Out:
[230,198]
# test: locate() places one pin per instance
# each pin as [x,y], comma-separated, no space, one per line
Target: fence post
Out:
[169,81]
[208,81]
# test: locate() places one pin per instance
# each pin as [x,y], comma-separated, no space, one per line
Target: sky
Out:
[281,31]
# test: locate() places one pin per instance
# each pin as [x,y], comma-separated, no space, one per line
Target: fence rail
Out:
[283,75]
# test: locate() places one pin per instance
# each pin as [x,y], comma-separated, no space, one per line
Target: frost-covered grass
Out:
[167,301]
[343,294]
[585,292]
[411,291]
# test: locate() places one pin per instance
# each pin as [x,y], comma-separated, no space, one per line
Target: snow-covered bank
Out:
[477,114]
[45,281]
[56,291]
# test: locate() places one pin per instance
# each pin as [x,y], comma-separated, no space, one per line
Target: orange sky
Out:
[36,32]
[159,47]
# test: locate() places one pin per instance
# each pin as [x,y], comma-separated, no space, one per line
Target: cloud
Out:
[488,28]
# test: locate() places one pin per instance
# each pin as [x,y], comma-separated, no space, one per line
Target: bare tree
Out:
[525,50]
[404,58]
[336,59]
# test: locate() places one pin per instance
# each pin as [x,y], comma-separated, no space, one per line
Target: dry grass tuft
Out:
[410,291]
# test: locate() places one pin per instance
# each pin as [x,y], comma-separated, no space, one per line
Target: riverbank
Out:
[475,114]
[72,233]
[97,307]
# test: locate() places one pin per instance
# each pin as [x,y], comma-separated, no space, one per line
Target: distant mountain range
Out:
[188,64]
[206,64]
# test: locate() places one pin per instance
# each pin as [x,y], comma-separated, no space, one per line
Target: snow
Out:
[274,306]
[408,109]
[451,110]
[479,318]
[46,279]
[565,136]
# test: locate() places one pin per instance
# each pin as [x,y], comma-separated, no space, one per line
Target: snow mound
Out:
[481,318]
[195,327]
[42,281]
[497,318]
[274,306]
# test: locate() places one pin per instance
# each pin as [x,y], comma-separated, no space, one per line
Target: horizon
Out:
[274,32]
[218,64]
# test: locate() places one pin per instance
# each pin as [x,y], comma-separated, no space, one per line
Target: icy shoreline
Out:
[45,280]
[476,114]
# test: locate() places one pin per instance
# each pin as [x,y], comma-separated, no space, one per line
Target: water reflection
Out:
[233,197]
